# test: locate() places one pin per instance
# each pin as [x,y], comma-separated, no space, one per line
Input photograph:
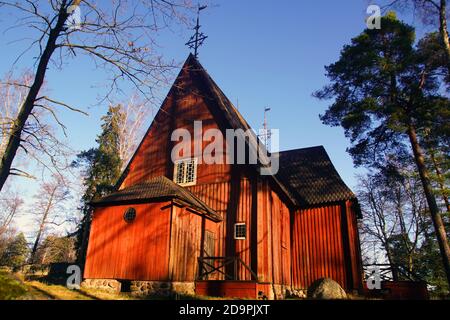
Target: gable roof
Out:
[311,176]
[306,176]
[234,118]
[215,96]
[157,189]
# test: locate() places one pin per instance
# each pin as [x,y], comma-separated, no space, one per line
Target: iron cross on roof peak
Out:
[199,37]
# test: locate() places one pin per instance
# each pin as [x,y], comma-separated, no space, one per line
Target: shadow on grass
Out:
[43,292]
[10,287]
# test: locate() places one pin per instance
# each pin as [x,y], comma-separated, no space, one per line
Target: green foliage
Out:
[400,247]
[16,252]
[102,165]
[382,84]
[56,249]
[390,97]
[102,169]
[429,266]
[10,288]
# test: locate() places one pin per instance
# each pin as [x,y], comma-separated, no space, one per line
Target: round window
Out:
[129,215]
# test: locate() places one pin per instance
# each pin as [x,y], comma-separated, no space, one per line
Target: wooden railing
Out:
[226,267]
[389,272]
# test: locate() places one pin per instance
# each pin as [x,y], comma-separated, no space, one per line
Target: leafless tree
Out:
[378,224]
[119,37]
[134,113]
[56,249]
[49,206]
[393,211]
[38,142]
[10,205]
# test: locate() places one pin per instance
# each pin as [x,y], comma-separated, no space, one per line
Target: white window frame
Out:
[235,231]
[175,171]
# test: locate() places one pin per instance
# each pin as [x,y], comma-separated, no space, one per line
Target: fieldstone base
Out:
[110,285]
[280,291]
[162,288]
[298,293]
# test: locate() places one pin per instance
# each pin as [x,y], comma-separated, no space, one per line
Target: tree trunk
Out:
[391,261]
[440,180]
[42,226]
[443,29]
[82,252]
[28,105]
[432,205]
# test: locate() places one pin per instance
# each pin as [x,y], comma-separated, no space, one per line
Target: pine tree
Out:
[102,168]
[386,93]
[16,252]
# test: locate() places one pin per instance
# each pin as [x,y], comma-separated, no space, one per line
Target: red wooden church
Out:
[221,229]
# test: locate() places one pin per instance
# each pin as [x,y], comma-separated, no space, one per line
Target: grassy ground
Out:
[16,286]
[11,287]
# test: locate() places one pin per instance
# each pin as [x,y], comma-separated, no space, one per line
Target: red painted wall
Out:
[325,244]
[138,250]
[179,111]
[163,243]
[317,244]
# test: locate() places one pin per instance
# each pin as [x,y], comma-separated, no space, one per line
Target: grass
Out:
[18,287]
[10,287]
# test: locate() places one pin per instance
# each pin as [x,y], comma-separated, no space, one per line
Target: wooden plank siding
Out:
[280,235]
[185,244]
[179,111]
[138,250]
[318,246]
[325,243]
[266,250]
[283,246]
[355,246]
[235,205]
[163,243]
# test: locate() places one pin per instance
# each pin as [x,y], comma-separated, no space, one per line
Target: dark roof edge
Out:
[210,215]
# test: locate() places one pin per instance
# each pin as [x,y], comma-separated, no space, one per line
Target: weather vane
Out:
[199,37]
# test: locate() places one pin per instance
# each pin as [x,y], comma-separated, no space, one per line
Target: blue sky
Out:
[261,53]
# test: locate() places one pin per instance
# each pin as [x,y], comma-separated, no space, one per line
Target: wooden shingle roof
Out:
[311,177]
[157,189]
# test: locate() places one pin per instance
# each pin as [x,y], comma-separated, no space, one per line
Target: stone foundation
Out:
[142,288]
[162,288]
[280,292]
[110,285]
[298,293]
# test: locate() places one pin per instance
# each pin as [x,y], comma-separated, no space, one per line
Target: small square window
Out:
[185,172]
[240,231]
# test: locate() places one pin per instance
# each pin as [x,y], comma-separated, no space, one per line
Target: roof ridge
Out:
[305,148]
